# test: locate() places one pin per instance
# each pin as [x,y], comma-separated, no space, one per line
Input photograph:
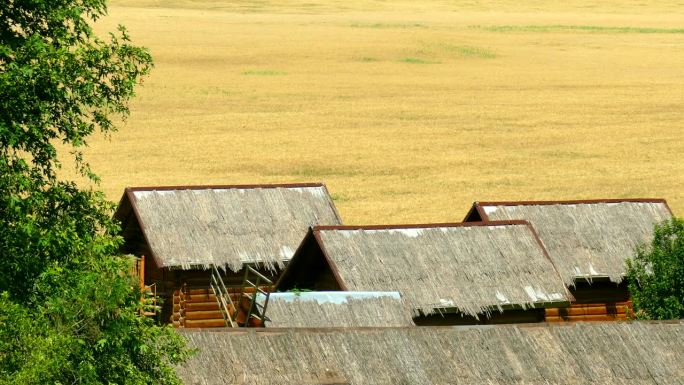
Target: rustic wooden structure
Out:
[588,242]
[446,273]
[196,242]
[625,353]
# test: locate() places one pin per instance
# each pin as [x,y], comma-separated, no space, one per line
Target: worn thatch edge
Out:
[129,196]
[513,306]
[315,232]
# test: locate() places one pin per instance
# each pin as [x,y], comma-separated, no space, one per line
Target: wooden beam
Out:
[141,272]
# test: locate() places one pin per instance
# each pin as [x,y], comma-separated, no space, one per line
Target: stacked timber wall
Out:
[595,301]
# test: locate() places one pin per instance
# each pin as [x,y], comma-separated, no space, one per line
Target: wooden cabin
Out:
[472,273]
[201,249]
[588,242]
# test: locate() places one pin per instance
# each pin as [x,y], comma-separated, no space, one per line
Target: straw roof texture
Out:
[576,354]
[230,226]
[344,309]
[472,268]
[588,239]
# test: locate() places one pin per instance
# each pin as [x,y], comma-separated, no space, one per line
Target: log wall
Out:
[594,301]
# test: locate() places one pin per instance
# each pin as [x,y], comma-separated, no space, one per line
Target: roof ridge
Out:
[419,225]
[227,186]
[570,201]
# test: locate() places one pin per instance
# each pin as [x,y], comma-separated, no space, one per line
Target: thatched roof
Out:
[474,268]
[585,239]
[337,309]
[574,354]
[228,226]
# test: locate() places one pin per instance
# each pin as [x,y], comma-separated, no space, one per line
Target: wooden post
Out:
[141,272]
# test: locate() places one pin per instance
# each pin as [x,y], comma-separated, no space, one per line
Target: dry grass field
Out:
[409,111]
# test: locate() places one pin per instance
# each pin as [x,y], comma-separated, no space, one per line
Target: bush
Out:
[656,274]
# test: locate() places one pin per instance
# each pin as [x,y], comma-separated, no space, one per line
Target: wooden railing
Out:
[228,308]
[255,310]
[150,306]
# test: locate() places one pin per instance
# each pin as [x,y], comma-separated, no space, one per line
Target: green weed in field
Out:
[415,60]
[337,198]
[314,171]
[215,91]
[264,73]
[471,51]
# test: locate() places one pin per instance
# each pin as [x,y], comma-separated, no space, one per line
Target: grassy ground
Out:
[409,111]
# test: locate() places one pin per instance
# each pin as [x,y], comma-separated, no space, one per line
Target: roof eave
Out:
[510,306]
[420,225]
[571,202]
[225,187]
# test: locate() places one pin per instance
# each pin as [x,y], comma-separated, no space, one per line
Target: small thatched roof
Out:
[475,268]
[337,309]
[582,353]
[196,226]
[585,239]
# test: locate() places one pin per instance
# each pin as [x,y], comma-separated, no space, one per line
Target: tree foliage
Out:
[656,275]
[69,311]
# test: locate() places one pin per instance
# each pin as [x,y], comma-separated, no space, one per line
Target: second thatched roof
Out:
[585,239]
[473,268]
[635,353]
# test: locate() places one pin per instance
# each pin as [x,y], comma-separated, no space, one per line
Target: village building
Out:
[446,273]
[200,246]
[337,309]
[644,353]
[589,242]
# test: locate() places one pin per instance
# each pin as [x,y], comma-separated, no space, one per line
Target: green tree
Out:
[656,274]
[69,311]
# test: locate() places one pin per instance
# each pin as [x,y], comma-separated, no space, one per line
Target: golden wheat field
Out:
[408,111]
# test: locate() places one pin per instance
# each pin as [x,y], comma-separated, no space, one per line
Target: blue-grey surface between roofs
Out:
[227,226]
[337,309]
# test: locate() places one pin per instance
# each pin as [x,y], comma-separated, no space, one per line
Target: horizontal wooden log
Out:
[200,298]
[204,290]
[586,310]
[586,318]
[211,323]
[204,315]
[200,306]
[608,303]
